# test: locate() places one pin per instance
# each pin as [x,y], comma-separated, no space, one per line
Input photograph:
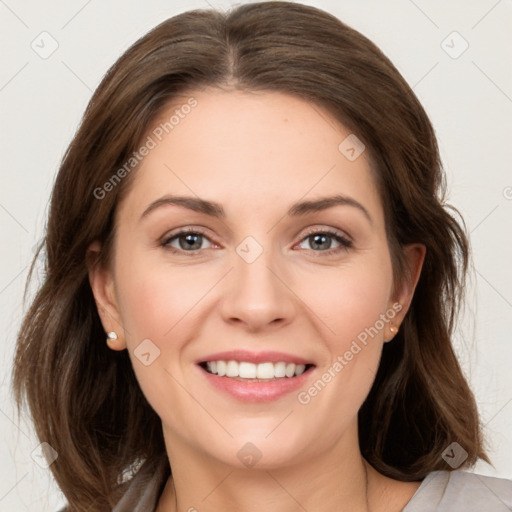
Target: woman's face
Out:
[258,282]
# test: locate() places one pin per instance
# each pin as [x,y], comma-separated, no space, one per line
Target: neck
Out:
[339,479]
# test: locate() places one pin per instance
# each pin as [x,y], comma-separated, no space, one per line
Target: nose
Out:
[257,296]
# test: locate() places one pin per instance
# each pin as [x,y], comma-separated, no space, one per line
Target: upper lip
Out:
[254,357]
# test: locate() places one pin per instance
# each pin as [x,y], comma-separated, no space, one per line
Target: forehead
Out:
[258,150]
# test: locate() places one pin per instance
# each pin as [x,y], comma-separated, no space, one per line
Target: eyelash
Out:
[345,243]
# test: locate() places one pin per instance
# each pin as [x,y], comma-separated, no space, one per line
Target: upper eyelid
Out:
[186,231]
[329,230]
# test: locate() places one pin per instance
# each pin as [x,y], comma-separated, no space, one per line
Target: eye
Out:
[321,241]
[188,241]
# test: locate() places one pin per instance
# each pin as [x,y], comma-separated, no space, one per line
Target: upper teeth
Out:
[247,370]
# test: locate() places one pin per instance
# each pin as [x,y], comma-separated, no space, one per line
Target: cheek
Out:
[161,304]
[155,298]
[353,303]
[350,299]
[157,307]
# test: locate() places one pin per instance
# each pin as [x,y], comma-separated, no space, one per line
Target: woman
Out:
[252,281]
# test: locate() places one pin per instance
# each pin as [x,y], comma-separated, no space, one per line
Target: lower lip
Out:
[257,391]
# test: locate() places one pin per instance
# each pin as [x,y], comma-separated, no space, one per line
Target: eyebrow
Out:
[216,210]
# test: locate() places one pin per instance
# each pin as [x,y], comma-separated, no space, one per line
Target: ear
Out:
[403,294]
[103,289]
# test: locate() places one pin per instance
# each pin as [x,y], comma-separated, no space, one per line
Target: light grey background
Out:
[469,99]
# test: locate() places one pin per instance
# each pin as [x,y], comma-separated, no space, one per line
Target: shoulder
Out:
[460,490]
[142,491]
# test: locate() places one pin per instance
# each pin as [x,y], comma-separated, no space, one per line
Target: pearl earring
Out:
[112,335]
[393,330]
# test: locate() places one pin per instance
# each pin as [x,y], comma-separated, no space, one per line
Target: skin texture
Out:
[256,154]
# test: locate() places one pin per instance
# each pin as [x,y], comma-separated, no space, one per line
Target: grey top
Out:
[454,491]
[440,491]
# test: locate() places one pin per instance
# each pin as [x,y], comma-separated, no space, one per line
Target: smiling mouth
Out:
[250,372]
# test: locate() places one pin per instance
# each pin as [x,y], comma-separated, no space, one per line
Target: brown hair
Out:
[84,398]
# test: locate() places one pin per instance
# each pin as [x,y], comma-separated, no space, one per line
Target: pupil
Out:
[189,244]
